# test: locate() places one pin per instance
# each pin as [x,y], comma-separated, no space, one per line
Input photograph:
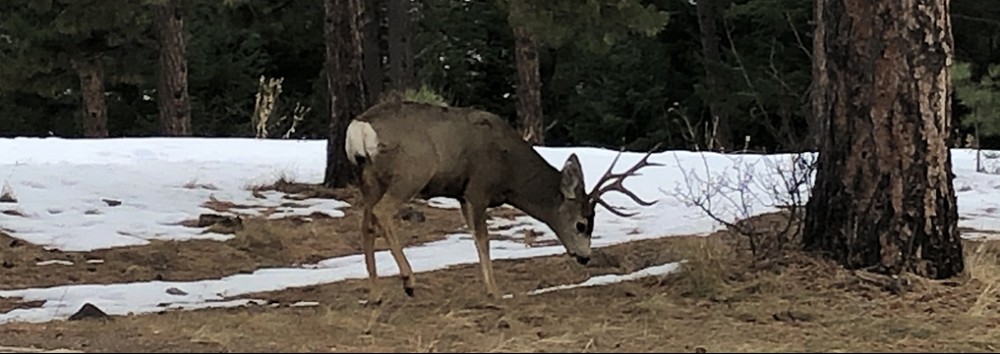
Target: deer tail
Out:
[361,142]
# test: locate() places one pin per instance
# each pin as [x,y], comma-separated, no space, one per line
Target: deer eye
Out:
[581,227]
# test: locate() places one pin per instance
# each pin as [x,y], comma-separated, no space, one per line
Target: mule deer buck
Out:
[408,149]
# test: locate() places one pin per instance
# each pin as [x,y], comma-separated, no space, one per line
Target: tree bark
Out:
[400,56]
[343,67]
[883,197]
[711,60]
[374,73]
[529,97]
[95,109]
[172,88]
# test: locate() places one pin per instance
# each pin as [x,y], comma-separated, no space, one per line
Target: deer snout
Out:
[581,257]
[579,248]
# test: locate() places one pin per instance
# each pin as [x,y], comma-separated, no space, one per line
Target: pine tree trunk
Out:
[529,97]
[884,196]
[400,60]
[95,109]
[172,88]
[711,60]
[374,74]
[343,67]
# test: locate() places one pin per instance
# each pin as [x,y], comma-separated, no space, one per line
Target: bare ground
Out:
[722,300]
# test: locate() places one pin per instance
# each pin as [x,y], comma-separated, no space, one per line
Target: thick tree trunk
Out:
[172,88]
[374,73]
[529,97]
[884,196]
[95,109]
[343,66]
[400,56]
[711,60]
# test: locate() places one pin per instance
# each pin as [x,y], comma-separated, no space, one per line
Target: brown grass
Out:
[257,243]
[4,349]
[721,300]
[703,272]
[8,304]
[982,262]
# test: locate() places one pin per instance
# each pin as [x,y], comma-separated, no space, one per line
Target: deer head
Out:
[573,223]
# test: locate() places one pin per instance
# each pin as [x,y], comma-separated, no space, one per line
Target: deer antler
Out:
[616,184]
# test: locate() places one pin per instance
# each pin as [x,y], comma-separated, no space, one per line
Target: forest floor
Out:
[722,299]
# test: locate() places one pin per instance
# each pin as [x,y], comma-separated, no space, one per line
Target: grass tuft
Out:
[702,275]
[982,266]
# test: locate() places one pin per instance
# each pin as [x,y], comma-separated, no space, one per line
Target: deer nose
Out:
[582,260]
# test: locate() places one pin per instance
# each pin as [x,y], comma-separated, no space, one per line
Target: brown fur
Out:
[473,156]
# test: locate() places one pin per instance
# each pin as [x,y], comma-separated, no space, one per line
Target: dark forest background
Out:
[729,75]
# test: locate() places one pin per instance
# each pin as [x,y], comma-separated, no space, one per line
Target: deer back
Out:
[457,146]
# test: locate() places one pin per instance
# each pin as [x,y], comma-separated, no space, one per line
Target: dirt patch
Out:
[446,300]
[721,300]
[4,349]
[7,194]
[302,191]
[257,243]
[10,304]
[12,212]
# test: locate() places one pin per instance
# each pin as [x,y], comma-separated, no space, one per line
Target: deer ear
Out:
[572,178]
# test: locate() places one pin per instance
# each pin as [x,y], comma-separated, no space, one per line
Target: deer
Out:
[406,149]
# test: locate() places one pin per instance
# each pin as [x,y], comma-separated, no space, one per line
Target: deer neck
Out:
[534,188]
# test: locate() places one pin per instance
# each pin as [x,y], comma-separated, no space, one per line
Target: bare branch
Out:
[797,37]
[730,197]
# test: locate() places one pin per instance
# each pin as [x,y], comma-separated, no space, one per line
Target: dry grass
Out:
[4,349]
[257,243]
[982,265]
[299,191]
[722,299]
[703,271]
[798,305]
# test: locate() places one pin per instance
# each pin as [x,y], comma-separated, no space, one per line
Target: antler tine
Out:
[614,210]
[618,179]
[607,174]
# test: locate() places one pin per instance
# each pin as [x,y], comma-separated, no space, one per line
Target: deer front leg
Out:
[475,216]
[384,212]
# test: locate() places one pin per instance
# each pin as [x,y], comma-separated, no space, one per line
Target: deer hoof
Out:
[408,290]
[371,302]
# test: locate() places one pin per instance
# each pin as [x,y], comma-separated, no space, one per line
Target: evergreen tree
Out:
[51,43]
[172,88]
[595,26]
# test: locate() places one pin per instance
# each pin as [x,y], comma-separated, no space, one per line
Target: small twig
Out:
[371,321]
[797,37]
[746,77]
[785,192]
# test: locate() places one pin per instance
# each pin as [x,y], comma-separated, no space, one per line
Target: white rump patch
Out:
[361,141]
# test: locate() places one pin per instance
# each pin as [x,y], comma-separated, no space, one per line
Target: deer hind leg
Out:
[475,217]
[371,193]
[384,213]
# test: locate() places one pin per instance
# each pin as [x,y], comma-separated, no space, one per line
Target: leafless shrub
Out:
[268,91]
[733,196]
[992,160]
